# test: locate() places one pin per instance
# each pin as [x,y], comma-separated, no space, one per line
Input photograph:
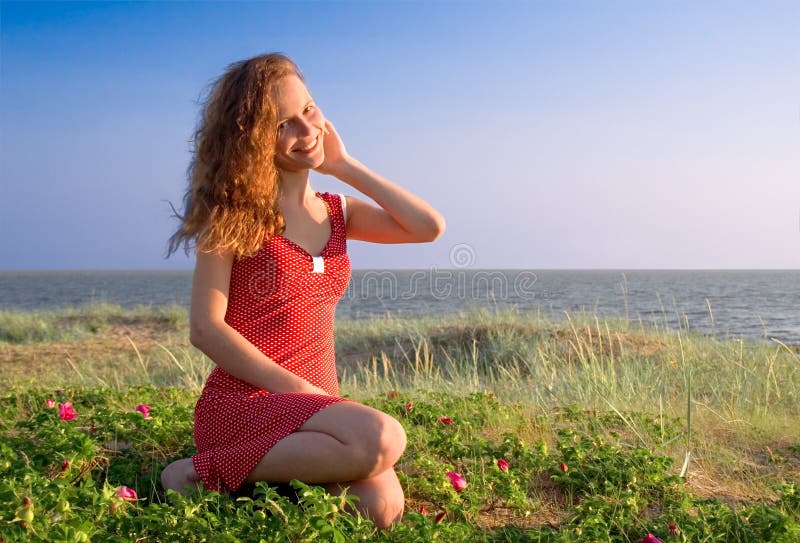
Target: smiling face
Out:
[299,128]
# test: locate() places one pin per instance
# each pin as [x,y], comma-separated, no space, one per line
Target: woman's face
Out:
[299,128]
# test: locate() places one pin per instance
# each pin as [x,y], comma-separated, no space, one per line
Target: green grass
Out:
[610,398]
[81,321]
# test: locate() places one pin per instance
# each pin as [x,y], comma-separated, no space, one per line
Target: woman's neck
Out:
[294,188]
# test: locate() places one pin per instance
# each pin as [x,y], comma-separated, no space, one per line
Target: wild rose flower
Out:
[66,412]
[439,517]
[445,420]
[65,465]
[502,463]
[650,538]
[126,493]
[50,402]
[563,467]
[144,410]
[458,482]
[409,406]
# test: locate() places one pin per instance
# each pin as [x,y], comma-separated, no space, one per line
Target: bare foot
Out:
[181,477]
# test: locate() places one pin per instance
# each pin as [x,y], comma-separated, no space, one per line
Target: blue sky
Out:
[556,134]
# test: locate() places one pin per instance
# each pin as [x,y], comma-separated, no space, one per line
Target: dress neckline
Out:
[330,237]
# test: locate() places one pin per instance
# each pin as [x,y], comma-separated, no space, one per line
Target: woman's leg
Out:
[346,441]
[380,497]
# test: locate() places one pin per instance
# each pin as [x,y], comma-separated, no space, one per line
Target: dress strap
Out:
[330,199]
[337,213]
[344,207]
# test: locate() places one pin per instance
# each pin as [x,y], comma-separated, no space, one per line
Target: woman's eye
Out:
[283,125]
[309,108]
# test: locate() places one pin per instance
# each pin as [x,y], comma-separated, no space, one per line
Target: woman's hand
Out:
[336,156]
[300,385]
[311,389]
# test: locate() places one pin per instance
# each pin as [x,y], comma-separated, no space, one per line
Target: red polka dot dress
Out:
[283,301]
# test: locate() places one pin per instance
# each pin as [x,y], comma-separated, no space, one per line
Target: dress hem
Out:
[210,464]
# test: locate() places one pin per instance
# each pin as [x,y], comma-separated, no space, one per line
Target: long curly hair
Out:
[231,199]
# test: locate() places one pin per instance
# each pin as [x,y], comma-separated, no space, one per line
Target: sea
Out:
[763,305]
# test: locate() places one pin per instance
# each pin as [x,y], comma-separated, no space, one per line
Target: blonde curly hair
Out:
[231,200]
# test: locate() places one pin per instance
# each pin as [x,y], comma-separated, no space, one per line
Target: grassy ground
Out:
[620,403]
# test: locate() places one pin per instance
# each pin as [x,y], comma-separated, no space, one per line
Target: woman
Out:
[271,265]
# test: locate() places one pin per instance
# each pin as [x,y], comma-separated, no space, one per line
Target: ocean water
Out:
[756,304]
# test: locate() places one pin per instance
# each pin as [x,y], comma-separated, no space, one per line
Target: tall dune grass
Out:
[744,400]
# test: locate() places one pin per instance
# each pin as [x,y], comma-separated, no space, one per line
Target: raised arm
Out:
[209,332]
[402,216]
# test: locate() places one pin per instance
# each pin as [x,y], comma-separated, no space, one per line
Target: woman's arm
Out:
[402,216]
[209,332]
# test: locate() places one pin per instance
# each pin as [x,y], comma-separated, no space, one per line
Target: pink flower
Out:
[439,517]
[144,410]
[66,412]
[458,482]
[445,420]
[563,467]
[409,406]
[126,493]
[673,529]
[502,463]
[65,465]
[50,402]
[650,538]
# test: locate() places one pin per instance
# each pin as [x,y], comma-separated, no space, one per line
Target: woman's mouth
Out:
[311,147]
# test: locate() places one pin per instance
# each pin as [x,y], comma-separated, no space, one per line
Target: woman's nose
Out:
[306,128]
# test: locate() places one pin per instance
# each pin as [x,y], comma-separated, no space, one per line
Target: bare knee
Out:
[383,444]
[371,441]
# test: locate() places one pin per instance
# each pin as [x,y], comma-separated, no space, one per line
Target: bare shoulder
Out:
[213,266]
[211,284]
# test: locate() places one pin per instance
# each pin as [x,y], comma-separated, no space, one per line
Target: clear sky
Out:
[556,134]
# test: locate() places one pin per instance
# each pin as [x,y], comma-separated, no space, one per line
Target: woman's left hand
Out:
[336,156]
